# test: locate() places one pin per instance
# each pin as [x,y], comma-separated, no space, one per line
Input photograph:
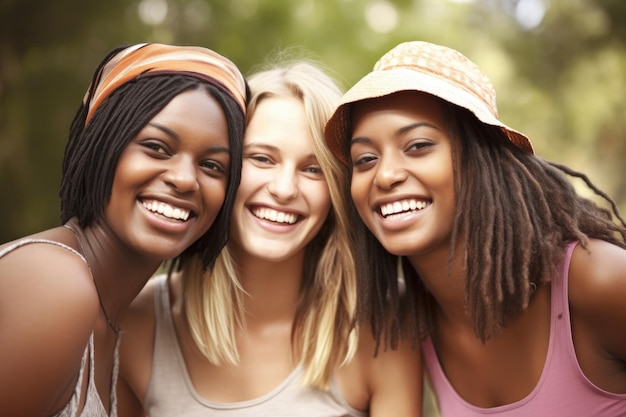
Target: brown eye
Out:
[156,147]
[363,160]
[213,166]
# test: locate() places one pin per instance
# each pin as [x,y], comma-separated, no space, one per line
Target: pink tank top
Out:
[562,390]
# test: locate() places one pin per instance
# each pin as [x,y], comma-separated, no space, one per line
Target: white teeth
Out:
[402,206]
[166,210]
[275,216]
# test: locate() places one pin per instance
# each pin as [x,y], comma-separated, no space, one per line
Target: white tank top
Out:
[171,392]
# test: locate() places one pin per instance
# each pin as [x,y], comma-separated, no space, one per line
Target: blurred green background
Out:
[559,67]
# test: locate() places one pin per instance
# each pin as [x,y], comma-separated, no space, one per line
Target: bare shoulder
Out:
[48,307]
[51,279]
[597,276]
[597,291]
[393,377]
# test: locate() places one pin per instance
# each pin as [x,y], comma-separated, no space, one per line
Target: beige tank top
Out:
[93,405]
[171,392]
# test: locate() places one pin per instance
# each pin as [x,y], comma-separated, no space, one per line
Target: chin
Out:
[268,256]
[399,248]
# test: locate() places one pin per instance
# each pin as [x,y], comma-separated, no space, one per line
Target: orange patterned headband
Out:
[159,58]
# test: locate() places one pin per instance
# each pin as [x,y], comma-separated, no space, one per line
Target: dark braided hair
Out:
[515,214]
[93,151]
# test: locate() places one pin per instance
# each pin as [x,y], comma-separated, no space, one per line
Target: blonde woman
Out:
[270,330]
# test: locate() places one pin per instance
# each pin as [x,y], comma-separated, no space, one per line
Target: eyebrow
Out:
[175,136]
[271,148]
[401,131]
[262,146]
[165,129]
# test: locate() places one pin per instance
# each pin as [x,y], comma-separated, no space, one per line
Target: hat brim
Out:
[383,83]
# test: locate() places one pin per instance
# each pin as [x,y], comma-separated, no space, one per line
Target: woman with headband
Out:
[516,282]
[149,174]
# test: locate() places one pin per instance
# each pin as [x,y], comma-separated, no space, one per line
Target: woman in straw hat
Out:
[515,283]
[269,331]
[150,173]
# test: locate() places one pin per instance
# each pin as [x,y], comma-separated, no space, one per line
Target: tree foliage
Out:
[561,81]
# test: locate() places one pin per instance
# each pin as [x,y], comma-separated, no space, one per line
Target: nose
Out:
[283,185]
[390,172]
[182,175]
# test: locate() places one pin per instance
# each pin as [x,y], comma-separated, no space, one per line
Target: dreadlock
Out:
[93,151]
[515,213]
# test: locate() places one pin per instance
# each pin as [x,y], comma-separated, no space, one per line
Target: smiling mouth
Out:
[165,210]
[275,215]
[402,206]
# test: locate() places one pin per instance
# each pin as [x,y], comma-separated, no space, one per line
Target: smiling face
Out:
[403,176]
[170,180]
[283,199]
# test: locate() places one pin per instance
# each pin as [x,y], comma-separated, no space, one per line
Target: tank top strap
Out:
[115,372]
[93,404]
[24,242]
[161,298]
[71,407]
[560,283]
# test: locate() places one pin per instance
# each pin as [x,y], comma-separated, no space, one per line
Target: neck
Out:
[273,287]
[445,281]
[118,273]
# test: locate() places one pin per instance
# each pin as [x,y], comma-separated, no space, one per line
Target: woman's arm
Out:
[396,381]
[128,405]
[48,307]
[389,384]
[597,295]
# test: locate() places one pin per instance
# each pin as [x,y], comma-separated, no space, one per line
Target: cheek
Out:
[247,186]
[446,179]
[358,190]
[446,193]
[322,202]
[320,206]
[124,183]
[437,174]
[214,193]
[250,178]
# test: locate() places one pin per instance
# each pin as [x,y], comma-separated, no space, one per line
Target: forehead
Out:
[406,104]
[280,122]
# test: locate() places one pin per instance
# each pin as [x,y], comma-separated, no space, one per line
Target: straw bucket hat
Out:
[429,68]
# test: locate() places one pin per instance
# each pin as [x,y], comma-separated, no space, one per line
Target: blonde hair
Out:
[324,335]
